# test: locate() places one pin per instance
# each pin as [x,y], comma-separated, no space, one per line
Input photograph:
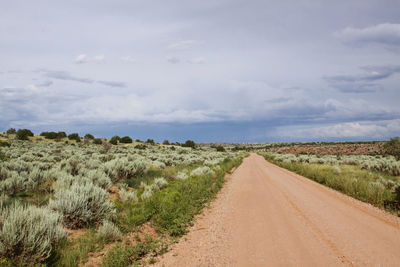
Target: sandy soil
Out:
[268,216]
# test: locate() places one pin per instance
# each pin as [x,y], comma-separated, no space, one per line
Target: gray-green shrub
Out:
[82,205]
[28,233]
[109,231]
[125,195]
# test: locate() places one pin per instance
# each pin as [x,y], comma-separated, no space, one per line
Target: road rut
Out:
[268,216]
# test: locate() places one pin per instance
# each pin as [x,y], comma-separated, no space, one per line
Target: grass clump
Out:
[28,234]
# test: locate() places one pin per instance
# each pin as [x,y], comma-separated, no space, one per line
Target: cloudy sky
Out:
[220,70]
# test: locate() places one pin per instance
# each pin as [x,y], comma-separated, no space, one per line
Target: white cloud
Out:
[172,59]
[197,60]
[182,45]
[385,33]
[81,59]
[128,59]
[99,58]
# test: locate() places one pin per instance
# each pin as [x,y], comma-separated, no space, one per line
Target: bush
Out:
[189,143]
[161,183]
[166,142]
[141,146]
[11,131]
[220,149]
[125,140]
[4,144]
[82,205]
[109,232]
[28,233]
[2,156]
[74,136]
[202,171]
[97,141]
[150,142]
[182,176]
[53,135]
[125,195]
[89,136]
[23,134]
[114,140]
[336,170]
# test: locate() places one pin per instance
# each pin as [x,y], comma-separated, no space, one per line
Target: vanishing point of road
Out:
[268,216]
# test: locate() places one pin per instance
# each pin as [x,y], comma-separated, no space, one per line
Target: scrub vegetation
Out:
[64,198]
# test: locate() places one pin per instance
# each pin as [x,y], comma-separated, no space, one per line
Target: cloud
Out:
[356,129]
[45,83]
[385,33]
[128,59]
[197,60]
[112,83]
[173,60]
[81,59]
[99,58]
[363,83]
[182,45]
[63,75]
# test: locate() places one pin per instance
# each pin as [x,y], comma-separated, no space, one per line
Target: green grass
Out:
[73,253]
[172,208]
[352,180]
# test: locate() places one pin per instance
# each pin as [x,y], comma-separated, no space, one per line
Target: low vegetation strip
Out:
[61,202]
[375,187]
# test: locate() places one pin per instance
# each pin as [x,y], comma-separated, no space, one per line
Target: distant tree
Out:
[189,143]
[114,140]
[61,134]
[150,141]
[97,141]
[125,140]
[23,134]
[74,136]
[220,148]
[11,131]
[166,142]
[392,147]
[141,146]
[139,141]
[53,135]
[89,136]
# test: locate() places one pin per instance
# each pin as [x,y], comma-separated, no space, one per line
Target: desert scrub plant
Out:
[82,205]
[204,170]
[28,234]
[182,175]
[160,183]
[336,169]
[109,232]
[125,195]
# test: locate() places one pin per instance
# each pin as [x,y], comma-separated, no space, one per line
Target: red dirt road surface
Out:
[268,216]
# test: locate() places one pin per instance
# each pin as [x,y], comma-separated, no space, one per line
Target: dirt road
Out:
[268,216]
